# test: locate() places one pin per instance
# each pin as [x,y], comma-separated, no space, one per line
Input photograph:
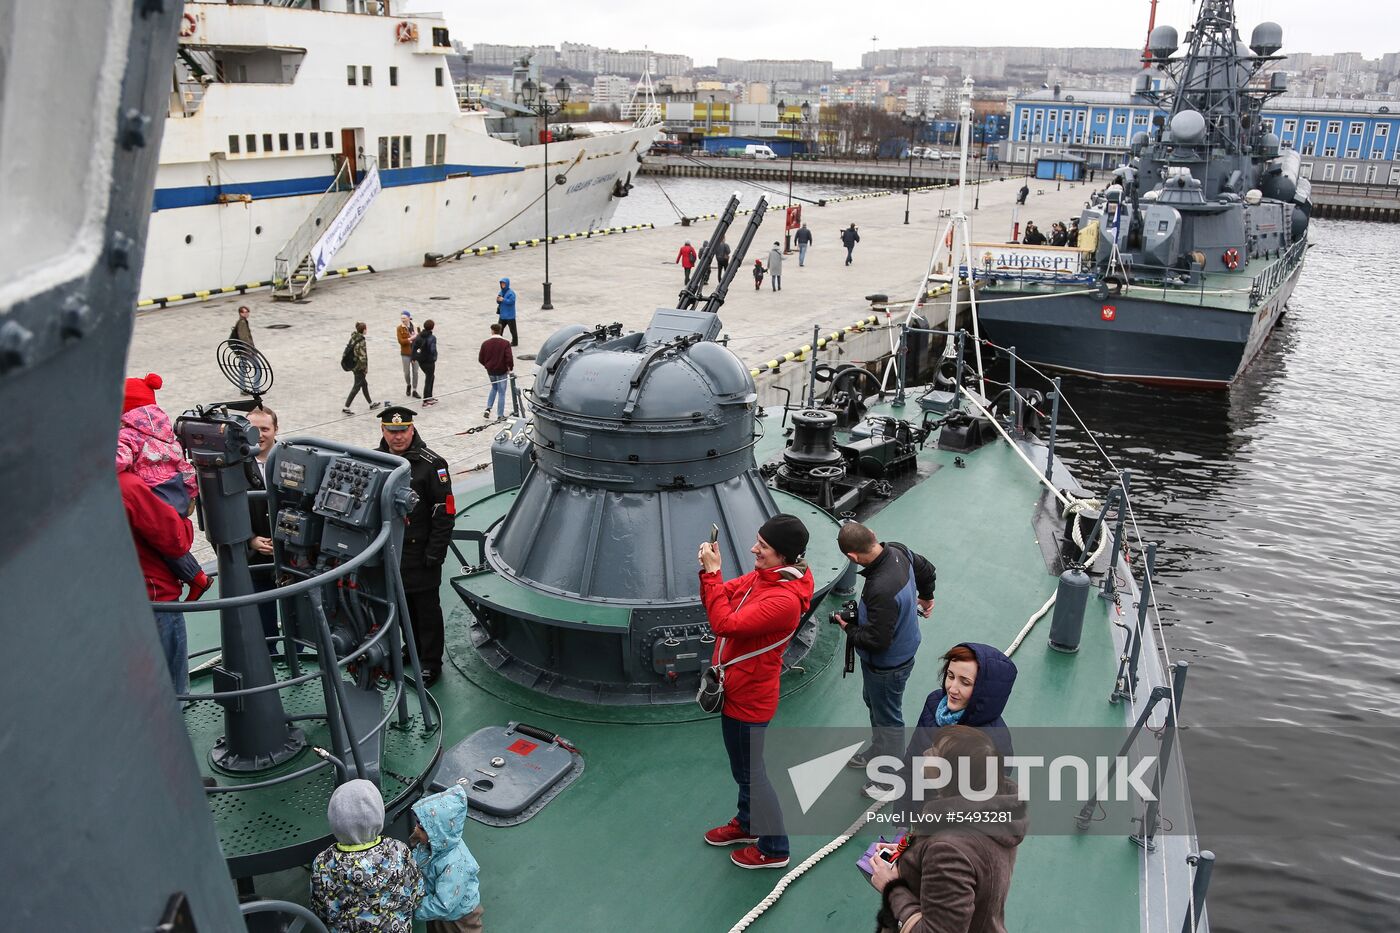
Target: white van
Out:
[759,152]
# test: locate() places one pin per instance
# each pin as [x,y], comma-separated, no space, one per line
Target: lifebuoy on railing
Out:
[1231,258]
[188,25]
[406,31]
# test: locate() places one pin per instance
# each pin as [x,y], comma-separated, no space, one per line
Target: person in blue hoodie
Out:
[452,894]
[977,682]
[505,310]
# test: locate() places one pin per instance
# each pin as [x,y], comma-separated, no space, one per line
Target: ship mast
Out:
[1215,79]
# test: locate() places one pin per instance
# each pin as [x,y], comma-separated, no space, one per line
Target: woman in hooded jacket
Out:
[977,681]
[955,877]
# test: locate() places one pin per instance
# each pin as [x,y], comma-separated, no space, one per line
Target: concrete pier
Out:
[595,281]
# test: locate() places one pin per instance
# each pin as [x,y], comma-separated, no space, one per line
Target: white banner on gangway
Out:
[344,223]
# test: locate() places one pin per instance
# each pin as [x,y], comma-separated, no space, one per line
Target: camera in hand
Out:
[847,613]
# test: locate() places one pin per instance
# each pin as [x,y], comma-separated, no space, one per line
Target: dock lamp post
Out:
[537,101]
[792,149]
[911,122]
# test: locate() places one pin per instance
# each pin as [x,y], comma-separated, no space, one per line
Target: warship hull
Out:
[1135,336]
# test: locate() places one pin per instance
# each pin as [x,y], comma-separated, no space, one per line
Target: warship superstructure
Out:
[1185,261]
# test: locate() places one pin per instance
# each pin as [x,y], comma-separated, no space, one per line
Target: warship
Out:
[572,594]
[1184,263]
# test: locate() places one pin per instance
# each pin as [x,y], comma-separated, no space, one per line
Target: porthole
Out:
[188,239]
[257,231]
[449,203]
[405,208]
[318,221]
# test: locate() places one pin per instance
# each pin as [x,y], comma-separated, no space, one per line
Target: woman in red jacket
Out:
[753,617]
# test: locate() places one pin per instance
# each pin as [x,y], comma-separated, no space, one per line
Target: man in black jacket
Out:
[425,537]
[898,591]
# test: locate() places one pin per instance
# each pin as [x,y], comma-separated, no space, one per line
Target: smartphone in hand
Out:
[714,533]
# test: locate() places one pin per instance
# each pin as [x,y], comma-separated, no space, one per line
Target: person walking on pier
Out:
[804,240]
[495,357]
[355,360]
[425,355]
[758,272]
[686,257]
[241,329]
[405,333]
[505,311]
[849,239]
[722,256]
[775,266]
[1023,193]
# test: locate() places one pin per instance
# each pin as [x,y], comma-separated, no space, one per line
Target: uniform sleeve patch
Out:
[442,475]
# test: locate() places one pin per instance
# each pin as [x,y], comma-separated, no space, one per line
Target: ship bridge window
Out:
[393,76]
[233,144]
[315,140]
[366,74]
[300,141]
[440,39]
[250,141]
[350,75]
[328,139]
[438,76]
[282,142]
[267,142]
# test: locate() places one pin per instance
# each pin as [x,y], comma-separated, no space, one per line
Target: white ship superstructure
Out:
[279,110]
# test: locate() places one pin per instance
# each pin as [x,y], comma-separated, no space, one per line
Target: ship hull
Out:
[206,247]
[1132,338]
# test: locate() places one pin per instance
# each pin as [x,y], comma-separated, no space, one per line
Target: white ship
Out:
[304,133]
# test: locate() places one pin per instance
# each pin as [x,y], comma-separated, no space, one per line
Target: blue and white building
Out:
[1339,140]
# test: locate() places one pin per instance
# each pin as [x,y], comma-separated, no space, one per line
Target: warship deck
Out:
[621,847]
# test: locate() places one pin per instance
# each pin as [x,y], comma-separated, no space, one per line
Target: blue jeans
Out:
[497,396]
[849,250]
[802,253]
[744,743]
[883,693]
[170,626]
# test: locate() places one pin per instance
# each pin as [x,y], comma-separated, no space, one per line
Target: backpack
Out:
[347,359]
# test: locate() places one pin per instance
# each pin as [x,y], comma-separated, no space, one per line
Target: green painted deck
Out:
[621,849]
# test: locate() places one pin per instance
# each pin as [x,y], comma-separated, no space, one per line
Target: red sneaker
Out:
[198,587]
[750,857]
[729,834]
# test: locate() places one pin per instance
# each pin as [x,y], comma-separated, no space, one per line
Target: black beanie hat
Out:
[785,534]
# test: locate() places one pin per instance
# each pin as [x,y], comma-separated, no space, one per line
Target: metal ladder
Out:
[293,270]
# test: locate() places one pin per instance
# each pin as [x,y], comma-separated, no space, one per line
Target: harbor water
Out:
[1273,506]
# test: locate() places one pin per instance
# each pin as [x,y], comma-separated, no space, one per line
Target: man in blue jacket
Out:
[505,311]
[885,634]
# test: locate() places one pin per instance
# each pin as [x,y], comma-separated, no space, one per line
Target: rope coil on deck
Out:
[772,898]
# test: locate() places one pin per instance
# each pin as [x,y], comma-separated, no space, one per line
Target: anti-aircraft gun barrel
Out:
[700,277]
[717,296]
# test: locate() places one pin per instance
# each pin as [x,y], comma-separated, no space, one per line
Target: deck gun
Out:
[691,295]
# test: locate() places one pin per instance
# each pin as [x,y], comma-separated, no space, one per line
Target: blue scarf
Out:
[945,717]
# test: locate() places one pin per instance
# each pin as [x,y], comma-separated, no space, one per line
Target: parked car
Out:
[759,152]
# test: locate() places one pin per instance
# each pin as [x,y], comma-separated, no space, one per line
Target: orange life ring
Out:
[188,25]
[406,31]
[1231,259]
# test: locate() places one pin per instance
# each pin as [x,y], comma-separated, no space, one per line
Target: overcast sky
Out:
[841,31]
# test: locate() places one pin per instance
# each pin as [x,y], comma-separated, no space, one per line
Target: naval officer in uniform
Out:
[426,536]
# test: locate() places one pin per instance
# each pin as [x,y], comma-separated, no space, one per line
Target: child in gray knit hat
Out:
[365,883]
